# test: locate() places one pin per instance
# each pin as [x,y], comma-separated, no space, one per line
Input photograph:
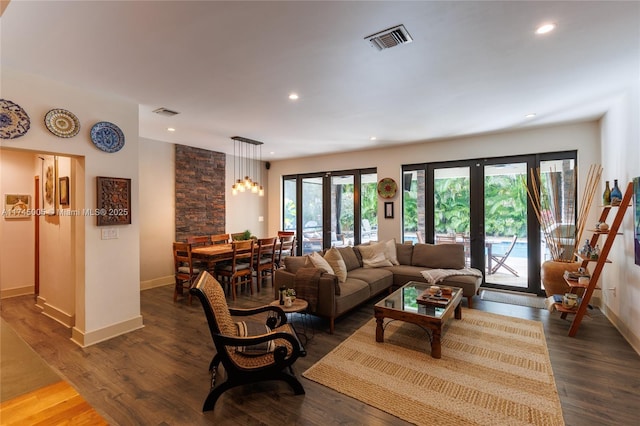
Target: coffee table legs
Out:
[379,329]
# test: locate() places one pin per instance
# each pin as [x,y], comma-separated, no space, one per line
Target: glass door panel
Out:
[342,210]
[505,225]
[311,208]
[289,205]
[451,207]
[368,207]
[414,207]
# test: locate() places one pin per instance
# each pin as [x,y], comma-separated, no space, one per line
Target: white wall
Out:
[581,136]
[243,210]
[157,212]
[106,273]
[621,160]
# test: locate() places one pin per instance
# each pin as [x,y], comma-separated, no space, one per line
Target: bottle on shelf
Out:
[606,197]
[616,194]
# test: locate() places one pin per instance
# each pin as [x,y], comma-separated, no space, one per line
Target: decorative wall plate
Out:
[62,123]
[14,121]
[387,188]
[107,136]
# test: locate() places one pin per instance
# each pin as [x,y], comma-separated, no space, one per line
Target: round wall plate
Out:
[14,121]
[107,136]
[387,188]
[62,123]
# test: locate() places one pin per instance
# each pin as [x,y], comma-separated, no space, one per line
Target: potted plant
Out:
[552,198]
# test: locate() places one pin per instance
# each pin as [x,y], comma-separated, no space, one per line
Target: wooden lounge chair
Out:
[499,261]
[250,359]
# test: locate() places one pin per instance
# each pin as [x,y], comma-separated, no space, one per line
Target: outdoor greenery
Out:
[505,214]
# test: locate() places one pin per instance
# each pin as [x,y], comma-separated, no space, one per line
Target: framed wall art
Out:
[48,181]
[63,190]
[388,210]
[17,206]
[114,201]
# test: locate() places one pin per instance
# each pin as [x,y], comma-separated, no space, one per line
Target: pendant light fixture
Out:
[247,154]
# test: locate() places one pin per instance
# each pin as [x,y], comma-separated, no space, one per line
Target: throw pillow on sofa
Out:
[390,252]
[373,255]
[334,258]
[293,263]
[319,262]
[350,258]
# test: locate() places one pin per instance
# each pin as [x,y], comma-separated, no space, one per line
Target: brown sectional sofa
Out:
[337,296]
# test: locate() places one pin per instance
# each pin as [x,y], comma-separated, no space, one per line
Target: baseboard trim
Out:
[84,339]
[57,315]
[157,282]
[633,340]
[15,292]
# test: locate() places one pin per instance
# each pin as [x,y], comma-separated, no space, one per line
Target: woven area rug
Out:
[513,298]
[494,370]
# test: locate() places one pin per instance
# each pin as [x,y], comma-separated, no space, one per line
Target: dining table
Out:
[213,253]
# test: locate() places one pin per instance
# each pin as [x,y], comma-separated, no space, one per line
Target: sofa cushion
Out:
[378,278]
[293,263]
[350,258]
[403,253]
[319,262]
[442,256]
[390,252]
[334,258]
[352,293]
[373,255]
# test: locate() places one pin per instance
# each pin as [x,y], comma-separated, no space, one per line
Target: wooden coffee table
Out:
[402,305]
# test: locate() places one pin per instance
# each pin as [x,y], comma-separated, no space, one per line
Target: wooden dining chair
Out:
[220,239]
[239,270]
[286,246]
[185,271]
[264,263]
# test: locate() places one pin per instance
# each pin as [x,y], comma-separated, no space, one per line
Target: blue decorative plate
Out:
[107,136]
[14,121]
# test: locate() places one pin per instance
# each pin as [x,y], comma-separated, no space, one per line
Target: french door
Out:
[483,205]
[331,209]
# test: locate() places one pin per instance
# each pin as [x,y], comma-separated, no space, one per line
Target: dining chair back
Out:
[265,259]
[220,239]
[239,270]
[185,271]
[198,240]
[286,246]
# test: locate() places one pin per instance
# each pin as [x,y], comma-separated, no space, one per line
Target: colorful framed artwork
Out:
[388,210]
[63,191]
[114,201]
[636,220]
[17,206]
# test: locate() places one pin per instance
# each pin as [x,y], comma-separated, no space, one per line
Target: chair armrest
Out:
[222,341]
[282,317]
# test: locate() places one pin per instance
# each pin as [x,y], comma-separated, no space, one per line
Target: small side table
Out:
[299,306]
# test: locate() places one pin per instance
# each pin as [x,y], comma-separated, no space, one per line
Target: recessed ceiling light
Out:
[533,114]
[171,129]
[372,138]
[545,28]
[293,96]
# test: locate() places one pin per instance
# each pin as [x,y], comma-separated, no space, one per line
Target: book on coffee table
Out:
[426,298]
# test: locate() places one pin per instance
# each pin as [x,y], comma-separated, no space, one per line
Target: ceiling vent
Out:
[166,112]
[390,37]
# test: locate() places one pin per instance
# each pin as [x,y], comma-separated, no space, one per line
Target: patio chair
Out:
[499,261]
[246,358]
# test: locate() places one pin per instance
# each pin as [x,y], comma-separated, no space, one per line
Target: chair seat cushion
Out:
[254,328]
[185,270]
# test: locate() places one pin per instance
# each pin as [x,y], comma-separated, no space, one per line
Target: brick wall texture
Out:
[200,192]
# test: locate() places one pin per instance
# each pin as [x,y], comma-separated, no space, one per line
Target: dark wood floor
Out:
[158,375]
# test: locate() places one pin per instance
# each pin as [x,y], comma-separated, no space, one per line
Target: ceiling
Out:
[228,67]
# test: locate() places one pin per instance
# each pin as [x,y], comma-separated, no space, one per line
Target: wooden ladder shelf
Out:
[610,234]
